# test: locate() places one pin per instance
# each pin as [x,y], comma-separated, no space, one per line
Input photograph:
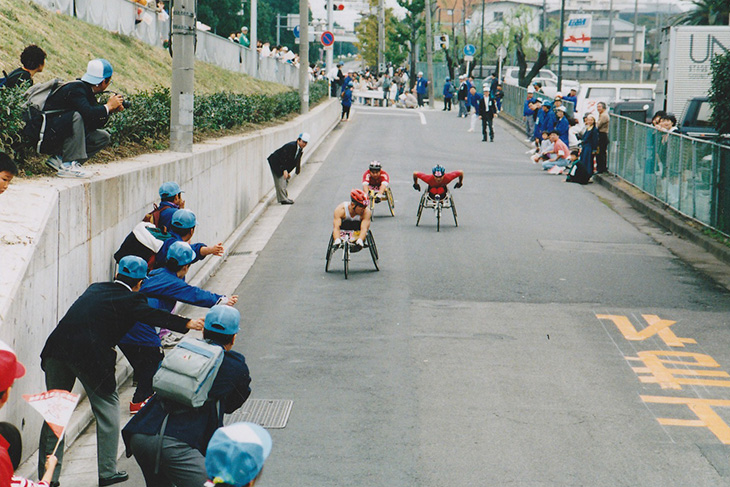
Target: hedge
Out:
[148,118]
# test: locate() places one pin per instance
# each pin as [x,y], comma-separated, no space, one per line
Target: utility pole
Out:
[330,52]
[381,35]
[254,39]
[609,40]
[562,39]
[481,47]
[633,43]
[429,53]
[183,75]
[304,56]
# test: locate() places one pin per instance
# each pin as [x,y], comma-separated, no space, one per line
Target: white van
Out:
[511,75]
[591,93]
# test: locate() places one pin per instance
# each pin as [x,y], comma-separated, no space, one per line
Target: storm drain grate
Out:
[269,413]
[241,252]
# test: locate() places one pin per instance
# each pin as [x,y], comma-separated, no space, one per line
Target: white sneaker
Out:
[470,130]
[55,163]
[72,170]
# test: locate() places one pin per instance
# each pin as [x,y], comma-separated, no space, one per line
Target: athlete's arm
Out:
[339,216]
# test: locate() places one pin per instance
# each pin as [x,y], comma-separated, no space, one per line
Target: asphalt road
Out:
[496,353]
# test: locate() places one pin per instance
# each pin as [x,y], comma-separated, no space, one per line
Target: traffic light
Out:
[338,6]
[443,41]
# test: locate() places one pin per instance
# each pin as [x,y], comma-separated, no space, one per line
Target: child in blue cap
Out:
[236,455]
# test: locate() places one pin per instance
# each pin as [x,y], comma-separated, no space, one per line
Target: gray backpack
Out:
[187,372]
[34,115]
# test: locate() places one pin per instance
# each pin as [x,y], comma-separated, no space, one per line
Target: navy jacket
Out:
[94,325]
[168,209]
[285,157]
[526,111]
[562,126]
[163,289]
[421,84]
[77,96]
[161,256]
[195,426]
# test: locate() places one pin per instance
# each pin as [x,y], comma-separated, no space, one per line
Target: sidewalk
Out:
[220,275]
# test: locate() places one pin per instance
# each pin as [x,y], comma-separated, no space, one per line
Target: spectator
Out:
[285,159]
[243,37]
[162,14]
[170,201]
[182,228]
[164,288]
[562,126]
[539,123]
[236,455]
[462,95]
[8,170]
[473,101]
[385,83]
[546,147]
[15,448]
[528,114]
[588,145]
[498,95]
[572,97]
[171,448]
[33,60]
[10,370]
[448,94]
[77,132]
[559,154]
[421,88]
[469,84]
[489,87]
[79,348]
[602,126]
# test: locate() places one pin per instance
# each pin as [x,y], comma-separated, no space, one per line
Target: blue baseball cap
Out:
[183,219]
[133,266]
[223,319]
[97,71]
[236,453]
[182,252]
[169,189]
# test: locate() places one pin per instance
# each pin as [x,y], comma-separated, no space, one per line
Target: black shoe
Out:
[114,479]
[484,140]
[491,140]
[287,202]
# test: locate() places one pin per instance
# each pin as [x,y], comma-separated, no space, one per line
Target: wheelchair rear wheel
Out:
[420,208]
[373,249]
[391,201]
[330,251]
[453,210]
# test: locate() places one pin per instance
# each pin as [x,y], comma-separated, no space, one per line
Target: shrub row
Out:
[149,116]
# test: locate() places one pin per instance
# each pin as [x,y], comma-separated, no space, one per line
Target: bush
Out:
[148,118]
[718,93]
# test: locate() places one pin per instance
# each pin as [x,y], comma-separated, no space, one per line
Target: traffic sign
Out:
[468,58]
[470,50]
[501,52]
[296,31]
[327,39]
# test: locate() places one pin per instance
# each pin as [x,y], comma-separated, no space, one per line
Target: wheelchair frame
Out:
[346,246]
[438,205]
[388,197]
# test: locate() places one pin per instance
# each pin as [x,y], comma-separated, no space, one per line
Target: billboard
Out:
[577,40]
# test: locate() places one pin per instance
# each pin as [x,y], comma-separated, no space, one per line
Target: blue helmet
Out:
[438,170]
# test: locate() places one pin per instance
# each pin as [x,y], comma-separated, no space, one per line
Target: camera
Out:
[126,104]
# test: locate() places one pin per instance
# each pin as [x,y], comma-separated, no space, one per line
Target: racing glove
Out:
[359,243]
[417,186]
[459,184]
[337,242]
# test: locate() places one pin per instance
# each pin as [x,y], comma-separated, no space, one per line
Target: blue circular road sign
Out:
[470,50]
[296,31]
[327,39]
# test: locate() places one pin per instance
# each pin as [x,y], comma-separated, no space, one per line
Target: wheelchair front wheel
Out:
[346,258]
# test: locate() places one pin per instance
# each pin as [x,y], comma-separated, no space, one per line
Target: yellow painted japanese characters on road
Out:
[673,369]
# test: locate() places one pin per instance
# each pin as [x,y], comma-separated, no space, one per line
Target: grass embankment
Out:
[70,43]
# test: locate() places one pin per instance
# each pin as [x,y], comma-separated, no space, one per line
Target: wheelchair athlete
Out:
[375,179]
[352,220]
[437,181]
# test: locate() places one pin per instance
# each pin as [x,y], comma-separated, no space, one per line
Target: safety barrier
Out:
[691,176]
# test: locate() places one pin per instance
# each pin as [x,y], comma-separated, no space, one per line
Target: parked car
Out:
[545,77]
[696,119]
[612,94]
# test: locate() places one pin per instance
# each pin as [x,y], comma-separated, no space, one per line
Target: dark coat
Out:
[487,107]
[196,426]
[75,96]
[94,325]
[285,159]
[17,77]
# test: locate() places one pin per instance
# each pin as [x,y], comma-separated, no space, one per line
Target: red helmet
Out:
[359,197]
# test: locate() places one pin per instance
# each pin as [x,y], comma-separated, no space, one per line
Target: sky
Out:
[351,13]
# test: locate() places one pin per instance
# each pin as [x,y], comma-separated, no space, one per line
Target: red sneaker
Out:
[134,407]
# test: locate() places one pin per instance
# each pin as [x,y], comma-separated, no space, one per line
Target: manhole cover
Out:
[269,413]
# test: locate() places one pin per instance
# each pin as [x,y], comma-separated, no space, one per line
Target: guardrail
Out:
[691,176]
[121,16]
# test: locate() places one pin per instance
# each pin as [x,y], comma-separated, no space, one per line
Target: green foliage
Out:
[11,123]
[706,12]
[367,39]
[223,16]
[147,121]
[719,89]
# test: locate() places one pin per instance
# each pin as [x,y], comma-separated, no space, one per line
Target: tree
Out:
[223,16]
[719,89]
[707,12]
[412,30]
[367,38]
[520,38]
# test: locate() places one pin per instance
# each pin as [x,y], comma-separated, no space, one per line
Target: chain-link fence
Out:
[688,174]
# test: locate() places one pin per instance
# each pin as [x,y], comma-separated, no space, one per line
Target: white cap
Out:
[559,94]
[560,108]
[530,90]
[304,136]
[420,73]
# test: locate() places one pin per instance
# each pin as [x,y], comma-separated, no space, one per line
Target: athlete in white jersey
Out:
[352,220]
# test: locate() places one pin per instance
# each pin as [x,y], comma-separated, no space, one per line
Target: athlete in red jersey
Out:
[438,180]
[375,179]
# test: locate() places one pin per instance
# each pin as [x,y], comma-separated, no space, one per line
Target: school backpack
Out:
[187,372]
[34,116]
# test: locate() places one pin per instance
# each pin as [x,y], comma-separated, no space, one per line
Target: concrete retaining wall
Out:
[57,236]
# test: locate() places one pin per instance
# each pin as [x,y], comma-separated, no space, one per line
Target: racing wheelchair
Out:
[388,197]
[348,246]
[438,204]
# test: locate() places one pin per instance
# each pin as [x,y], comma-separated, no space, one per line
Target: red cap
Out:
[10,367]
